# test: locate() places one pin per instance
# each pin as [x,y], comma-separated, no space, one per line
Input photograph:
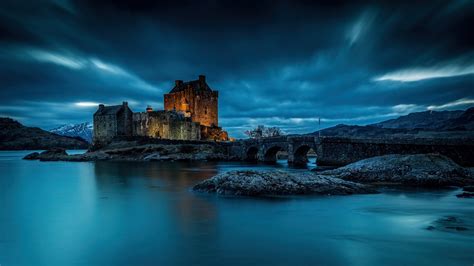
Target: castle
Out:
[190,113]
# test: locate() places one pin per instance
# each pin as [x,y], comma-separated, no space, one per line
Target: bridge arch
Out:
[300,157]
[251,154]
[270,155]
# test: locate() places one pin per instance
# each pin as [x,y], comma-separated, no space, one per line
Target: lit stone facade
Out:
[191,113]
[196,100]
[165,125]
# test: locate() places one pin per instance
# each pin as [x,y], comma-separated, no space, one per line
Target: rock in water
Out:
[424,170]
[468,192]
[48,155]
[273,183]
[469,189]
[32,156]
[449,224]
[467,195]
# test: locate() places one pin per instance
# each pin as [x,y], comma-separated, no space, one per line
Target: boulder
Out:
[53,154]
[55,151]
[449,224]
[424,170]
[466,195]
[32,156]
[467,192]
[468,189]
[152,157]
[273,183]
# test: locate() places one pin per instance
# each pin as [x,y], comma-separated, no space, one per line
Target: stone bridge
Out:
[335,151]
[266,149]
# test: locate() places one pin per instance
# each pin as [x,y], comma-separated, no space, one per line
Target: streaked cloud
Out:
[86,104]
[58,59]
[77,62]
[361,26]
[457,103]
[417,74]
[279,64]
[132,80]
[406,108]
[108,67]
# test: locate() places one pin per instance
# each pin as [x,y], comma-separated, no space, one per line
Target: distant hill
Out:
[420,120]
[15,136]
[342,130]
[446,124]
[464,122]
[82,130]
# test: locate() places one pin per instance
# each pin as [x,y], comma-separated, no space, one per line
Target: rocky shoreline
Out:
[362,177]
[150,152]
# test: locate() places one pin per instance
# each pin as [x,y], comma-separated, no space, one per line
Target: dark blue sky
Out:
[277,63]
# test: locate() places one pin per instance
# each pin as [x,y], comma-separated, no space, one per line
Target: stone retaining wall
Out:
[342,151]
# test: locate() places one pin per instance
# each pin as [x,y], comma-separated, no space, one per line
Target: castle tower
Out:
[195,99]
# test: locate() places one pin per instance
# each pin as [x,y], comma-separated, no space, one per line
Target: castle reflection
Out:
[164,186]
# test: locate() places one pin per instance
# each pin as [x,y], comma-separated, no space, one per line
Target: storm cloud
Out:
[277,63]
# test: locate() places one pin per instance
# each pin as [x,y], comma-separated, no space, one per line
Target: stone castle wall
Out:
[108,126]
[200,105]
[214,133]
[124,123]
[105,126]
[165,125]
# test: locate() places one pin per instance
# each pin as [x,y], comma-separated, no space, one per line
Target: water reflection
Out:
[167,183]
[128,213]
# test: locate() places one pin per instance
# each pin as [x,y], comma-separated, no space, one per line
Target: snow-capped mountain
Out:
[83,130]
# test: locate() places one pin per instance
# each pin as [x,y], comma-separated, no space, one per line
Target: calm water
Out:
[59,213]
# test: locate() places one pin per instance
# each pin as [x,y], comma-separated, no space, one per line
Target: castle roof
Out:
[197,85]
[110,110]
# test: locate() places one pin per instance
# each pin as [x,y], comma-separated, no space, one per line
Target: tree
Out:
[264,132]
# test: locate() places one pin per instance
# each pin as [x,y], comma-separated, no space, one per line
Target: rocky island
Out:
[421,170]
[275,183]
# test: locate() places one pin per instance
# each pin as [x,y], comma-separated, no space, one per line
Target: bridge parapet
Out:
[397,140]
[273,139]
[303,138]
[339,151]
